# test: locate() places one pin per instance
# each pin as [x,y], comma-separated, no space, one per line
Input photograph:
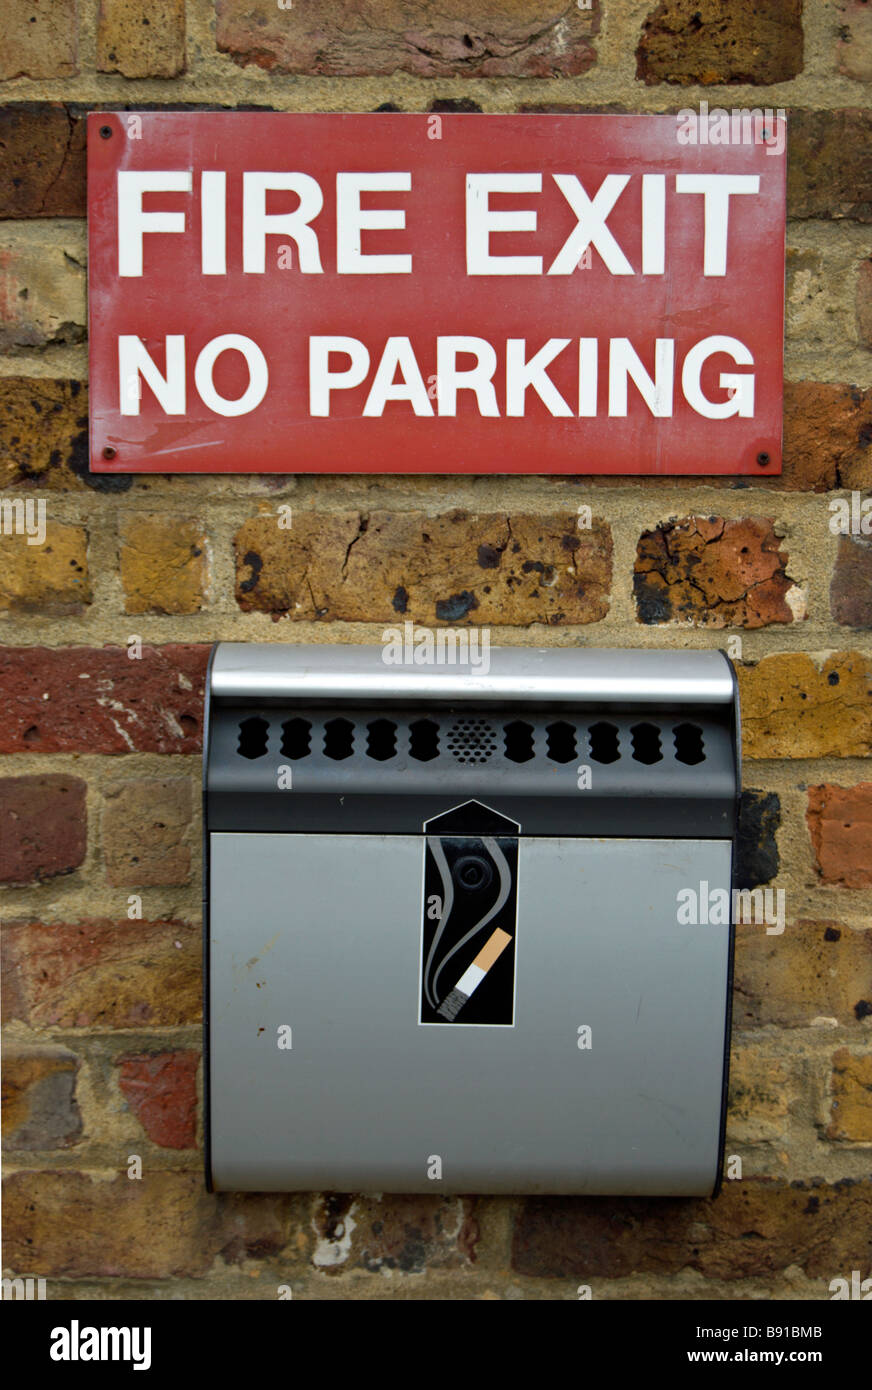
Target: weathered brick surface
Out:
[161,1225]
[405,1234]
[51,577]
[164,568]
[821,1229]
[840,825]
[851,1096]
[102,974]
[39,38]
[827,436]
[161,1090]
[760,1097]
[756,846]
[854,44]
[713,573]
[814,970]
[145,830]
[141,38]
[800,1090]
[851,586]
[829,166]
[42,292]
[97,700]
[43,827]
[864,302]
[43,432]
[707,42]
[42,161]
[39,1098]
[429,38]
[795,707]
[455,568]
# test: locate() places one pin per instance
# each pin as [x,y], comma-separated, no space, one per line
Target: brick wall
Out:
[99,794]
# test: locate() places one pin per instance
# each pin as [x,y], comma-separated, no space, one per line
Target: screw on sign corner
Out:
[109,452]
[764,459]
[106,132]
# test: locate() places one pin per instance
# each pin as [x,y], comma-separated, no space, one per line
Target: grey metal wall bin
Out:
[442,939]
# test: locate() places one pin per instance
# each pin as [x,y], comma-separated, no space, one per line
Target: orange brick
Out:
[814,970]
[840,824]
[793,707]
[51,577]
[852,1097]
[141,38]
[163,563]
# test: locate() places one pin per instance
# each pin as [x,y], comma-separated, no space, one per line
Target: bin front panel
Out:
[324,935]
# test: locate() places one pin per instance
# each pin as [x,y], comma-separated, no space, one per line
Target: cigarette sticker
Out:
[469,919]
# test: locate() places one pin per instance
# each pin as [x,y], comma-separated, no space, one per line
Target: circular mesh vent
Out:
[471,740]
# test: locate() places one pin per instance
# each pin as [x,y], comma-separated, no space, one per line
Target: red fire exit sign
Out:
[435,294]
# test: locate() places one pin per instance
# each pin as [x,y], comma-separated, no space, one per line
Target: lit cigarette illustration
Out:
[474,974]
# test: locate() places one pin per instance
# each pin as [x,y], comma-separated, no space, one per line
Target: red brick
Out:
[708,43]
[44,827]
[428,38]
[827,434]
[712,572]
[96,700]
[161,1090]
[840,824]
[814,970]
[42,161]
[829,171]
[851,586]
[753,1229]
[81,1226]
[39,1098]
[101,974]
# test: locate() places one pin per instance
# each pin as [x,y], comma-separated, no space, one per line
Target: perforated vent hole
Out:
[295,738]
[604,743]
[518,738]
[646,743]
[689,746]
[253,734]
[561,742]
[471,740]
[381,740]
[338,739]
[424,740]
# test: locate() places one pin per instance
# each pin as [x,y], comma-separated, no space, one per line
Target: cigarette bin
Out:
[443,938]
